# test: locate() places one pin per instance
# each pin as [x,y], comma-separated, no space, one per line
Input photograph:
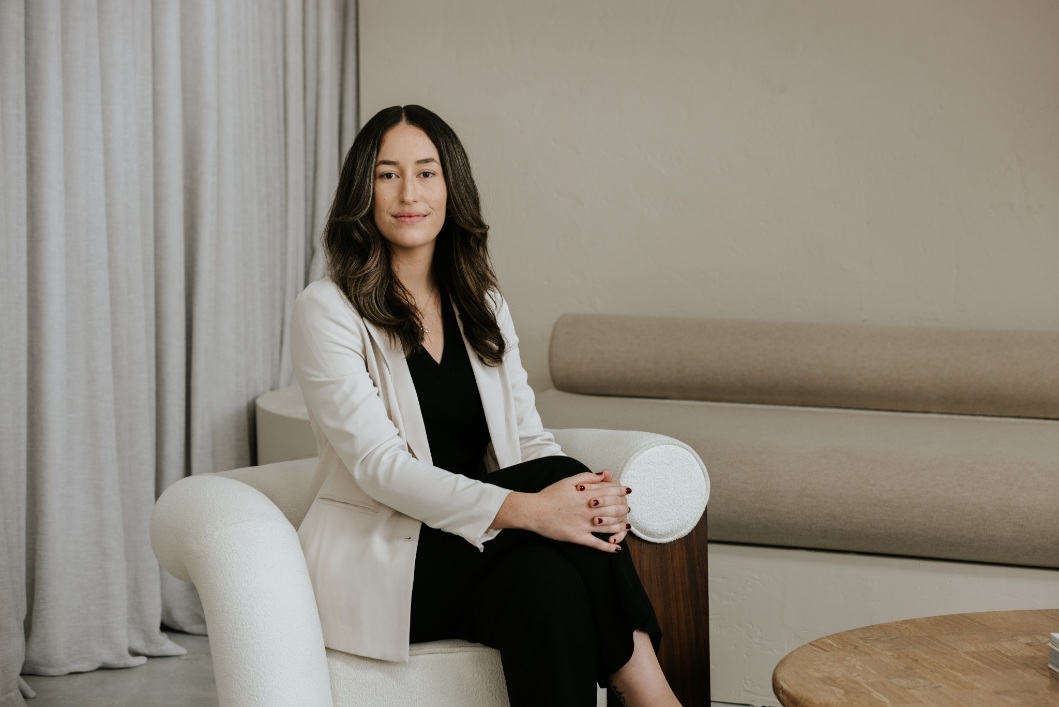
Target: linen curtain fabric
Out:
[165,169]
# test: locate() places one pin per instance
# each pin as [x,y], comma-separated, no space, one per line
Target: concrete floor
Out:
[180,681]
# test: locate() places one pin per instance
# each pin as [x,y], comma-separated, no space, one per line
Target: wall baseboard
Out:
[765,602]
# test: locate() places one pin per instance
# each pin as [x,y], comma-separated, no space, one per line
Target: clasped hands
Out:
[573,510]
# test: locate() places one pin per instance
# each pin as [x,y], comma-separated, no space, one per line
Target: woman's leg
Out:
[641,681]
[562,615]
[446,571]
[619,605]
[534,609]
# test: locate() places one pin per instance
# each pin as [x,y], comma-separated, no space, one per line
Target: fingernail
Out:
[599,521]
[599,473]
[617,548]
[627,490]
[628,526]
[580,487]
[595,501]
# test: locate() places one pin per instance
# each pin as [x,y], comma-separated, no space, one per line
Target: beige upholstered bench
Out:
[906,442]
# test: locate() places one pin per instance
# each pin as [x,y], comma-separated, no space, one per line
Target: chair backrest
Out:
[287,484]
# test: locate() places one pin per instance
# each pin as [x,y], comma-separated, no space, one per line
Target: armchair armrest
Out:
[243,556]
[670,483]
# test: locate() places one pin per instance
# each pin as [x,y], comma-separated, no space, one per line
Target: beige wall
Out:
[892,161]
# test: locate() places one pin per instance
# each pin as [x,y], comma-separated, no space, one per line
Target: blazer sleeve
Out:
[329,349]
[534,440]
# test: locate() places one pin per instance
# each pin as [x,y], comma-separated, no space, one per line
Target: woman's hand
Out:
[572,510]
[620,535]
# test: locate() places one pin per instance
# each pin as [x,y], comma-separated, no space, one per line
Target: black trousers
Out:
[561,615]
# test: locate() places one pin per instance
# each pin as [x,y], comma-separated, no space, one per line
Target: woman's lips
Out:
[410,218]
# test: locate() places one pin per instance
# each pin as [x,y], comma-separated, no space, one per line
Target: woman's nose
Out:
[409,190]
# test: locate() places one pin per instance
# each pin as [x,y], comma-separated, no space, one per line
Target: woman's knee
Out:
[535,474]
[559,467]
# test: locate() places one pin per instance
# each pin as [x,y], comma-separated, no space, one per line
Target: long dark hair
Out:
[358,257]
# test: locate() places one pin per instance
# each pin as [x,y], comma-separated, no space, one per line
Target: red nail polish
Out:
[599,473]
[580,487]
[599,521]
[628,526]
[617,548]
[595,501]
[627,490]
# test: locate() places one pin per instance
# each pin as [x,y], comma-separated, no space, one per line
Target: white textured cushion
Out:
[669,481]
[439,673]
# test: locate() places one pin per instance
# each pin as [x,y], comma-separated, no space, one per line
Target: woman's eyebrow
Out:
[393,163]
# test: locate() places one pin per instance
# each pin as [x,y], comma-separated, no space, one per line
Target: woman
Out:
[409,364]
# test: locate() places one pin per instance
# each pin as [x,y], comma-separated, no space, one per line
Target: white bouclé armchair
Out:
[233,535]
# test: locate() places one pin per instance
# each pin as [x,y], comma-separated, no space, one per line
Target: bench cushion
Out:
[955,487]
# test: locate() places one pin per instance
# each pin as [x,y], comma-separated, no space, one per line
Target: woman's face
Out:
[410,193]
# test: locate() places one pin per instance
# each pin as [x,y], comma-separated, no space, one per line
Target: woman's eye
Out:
[427,174]
[387,175]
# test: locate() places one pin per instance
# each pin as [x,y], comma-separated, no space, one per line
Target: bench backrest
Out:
[913,369]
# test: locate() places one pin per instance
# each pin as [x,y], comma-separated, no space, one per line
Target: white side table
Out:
[283,429]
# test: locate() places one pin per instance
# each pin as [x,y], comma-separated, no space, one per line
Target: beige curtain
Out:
[165,168]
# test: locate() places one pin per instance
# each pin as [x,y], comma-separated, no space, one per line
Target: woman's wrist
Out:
[515,512]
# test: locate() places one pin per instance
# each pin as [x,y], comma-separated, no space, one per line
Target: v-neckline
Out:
[446,333]
[437,361]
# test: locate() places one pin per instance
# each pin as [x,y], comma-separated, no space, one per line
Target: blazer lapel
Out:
[495,402]
[408,417]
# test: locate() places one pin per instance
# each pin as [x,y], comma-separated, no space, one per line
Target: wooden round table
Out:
[989,659]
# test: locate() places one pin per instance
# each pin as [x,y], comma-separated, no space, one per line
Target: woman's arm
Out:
[329,349]
[570,510]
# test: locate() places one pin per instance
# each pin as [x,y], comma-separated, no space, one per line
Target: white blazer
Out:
[375,483]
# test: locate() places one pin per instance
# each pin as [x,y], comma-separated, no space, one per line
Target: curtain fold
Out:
[166,168]
[14,363]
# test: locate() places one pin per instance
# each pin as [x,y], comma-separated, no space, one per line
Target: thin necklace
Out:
[437,298]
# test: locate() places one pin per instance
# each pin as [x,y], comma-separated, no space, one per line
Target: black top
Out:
[451,405]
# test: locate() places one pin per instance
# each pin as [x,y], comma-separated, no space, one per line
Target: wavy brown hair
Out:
[359,259]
